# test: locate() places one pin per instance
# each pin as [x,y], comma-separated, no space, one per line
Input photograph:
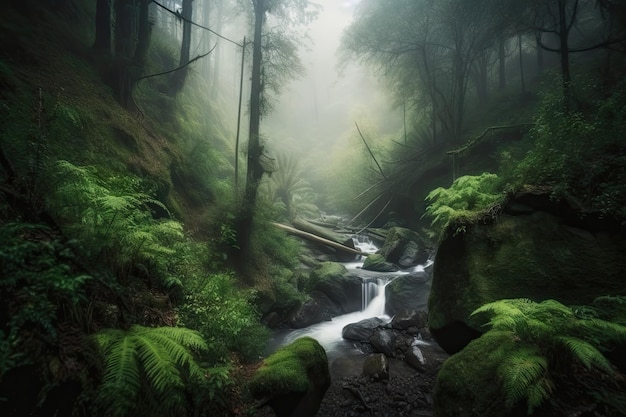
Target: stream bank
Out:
[393,323]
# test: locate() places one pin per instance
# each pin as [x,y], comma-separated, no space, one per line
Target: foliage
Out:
[467,196]
[224,315]
[112,219]
[146,370]
[289,368]
[545,334]
[289,190]
[580,152]
[36,281]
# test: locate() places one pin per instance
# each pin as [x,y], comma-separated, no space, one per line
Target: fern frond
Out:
[157,363]
[522,369]
[586,353]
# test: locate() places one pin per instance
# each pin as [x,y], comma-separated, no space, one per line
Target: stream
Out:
[328,333]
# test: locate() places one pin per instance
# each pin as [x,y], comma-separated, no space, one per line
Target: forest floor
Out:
[407,392]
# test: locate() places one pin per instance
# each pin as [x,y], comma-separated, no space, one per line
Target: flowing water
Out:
[328,333]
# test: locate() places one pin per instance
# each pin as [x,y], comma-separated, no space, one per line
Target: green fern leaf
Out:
[586,353]
[522,369]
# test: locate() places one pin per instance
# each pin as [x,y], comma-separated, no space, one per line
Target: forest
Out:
[321,208]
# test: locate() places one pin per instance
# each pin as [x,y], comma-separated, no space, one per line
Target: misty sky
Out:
[321,108]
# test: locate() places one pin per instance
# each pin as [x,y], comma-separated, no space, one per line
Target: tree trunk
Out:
[501,64]
[102,40]
[521,64]
[255,170]
[539,54]
[564,53]
[178,78]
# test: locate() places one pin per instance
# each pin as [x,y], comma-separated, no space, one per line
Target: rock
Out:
[362,330]
[376,262]
[414,357]
[294,379]
[376,367]
[341,287]
[384,341]
[532,256]
[316,309]
[408,292]
[406,319]
[410,255]
[397,247]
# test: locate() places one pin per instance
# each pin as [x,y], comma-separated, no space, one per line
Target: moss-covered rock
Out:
[294,379]
[404,247]
[334,280]
[377,262]
[408,292]
[521,254]
[467,383]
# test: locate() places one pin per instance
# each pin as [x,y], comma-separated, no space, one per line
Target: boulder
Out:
[406,245]
[407,292]
[294,379]
[341,287]
[362,330]
[406,319]
[376,367]
[377,262]
[556,254]
[414,357]
[316,309]
[384,341]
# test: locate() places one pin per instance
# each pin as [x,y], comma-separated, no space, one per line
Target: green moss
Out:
[530,256]
[326,272]
[467,384]
[291,368]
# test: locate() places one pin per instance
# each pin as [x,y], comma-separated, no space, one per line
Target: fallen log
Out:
[318,239]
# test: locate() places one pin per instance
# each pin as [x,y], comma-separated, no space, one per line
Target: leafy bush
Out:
[467,196]
[581,154]
[36,281]
[548,337]
[224,315]
[111,218]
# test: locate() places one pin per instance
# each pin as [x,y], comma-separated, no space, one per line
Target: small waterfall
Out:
[369,290]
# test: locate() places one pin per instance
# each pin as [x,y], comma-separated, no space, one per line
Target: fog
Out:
[317,113]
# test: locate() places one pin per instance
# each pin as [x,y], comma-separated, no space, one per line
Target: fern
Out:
[162,356]
[467,196]
[543,333]
[524,376]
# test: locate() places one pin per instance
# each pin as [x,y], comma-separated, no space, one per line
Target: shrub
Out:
[467,196]
[224,315]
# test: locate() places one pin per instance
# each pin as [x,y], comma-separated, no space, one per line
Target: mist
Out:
[316,114]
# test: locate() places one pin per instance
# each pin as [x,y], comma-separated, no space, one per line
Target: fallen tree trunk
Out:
[318,239]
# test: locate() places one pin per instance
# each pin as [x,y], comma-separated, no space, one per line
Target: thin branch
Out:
[370,151]
[179,16]
[472,142]
[176,69]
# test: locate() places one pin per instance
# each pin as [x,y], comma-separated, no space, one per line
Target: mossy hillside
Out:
[291,368]
[533,256]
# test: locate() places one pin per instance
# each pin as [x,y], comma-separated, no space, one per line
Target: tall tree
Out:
[178,77]
[272,72]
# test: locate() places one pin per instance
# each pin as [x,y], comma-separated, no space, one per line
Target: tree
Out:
[178,78]
[266,72]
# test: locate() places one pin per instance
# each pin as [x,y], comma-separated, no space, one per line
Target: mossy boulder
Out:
[341,287]
[377,262]
[467,383]
[408,292]
[543,252]
[404,247]
[294,379]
